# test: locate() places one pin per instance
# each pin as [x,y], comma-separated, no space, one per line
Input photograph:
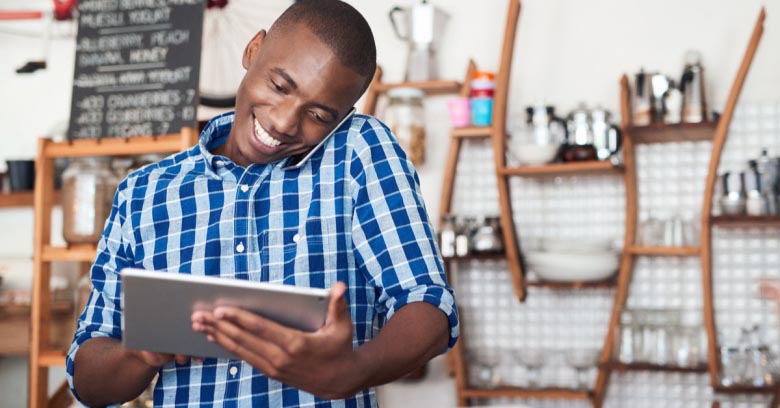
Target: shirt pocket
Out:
[298,255]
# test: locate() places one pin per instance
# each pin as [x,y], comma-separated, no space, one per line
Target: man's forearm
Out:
[415,334]
[107,373]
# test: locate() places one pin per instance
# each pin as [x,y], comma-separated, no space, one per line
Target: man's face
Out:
[294,93]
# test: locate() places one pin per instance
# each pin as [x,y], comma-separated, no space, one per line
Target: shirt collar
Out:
[214,135]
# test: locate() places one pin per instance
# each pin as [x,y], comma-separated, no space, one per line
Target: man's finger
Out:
[337,307]
[259,326]
[243,339]
[181,359]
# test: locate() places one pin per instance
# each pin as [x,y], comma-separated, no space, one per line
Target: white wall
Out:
[566,51]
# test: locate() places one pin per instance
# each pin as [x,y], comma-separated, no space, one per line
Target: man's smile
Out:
[264,140]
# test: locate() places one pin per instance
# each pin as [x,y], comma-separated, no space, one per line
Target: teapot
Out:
[547,127]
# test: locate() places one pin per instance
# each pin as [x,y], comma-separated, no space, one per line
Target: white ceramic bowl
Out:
[570,267]
[534,154]
[576,245]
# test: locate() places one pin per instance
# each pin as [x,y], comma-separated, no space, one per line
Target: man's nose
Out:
[285,120]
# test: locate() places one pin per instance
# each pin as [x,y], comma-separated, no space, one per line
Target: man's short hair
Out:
[340,26]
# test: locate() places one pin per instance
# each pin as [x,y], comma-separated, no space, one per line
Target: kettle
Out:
[547,127]
[606,136]
[421,27]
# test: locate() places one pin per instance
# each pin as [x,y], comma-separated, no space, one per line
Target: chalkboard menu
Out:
[137,67]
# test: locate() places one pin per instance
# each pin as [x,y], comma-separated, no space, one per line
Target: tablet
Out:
[157,307]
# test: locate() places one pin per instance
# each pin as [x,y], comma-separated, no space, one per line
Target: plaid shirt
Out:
[353,213]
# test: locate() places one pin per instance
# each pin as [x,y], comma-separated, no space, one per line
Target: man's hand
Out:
[322,363]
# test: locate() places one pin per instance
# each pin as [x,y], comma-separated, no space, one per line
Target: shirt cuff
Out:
[78,340]
[437,296]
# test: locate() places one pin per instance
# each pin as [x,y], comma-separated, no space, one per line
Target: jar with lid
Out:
[447,236]
[405,116]
[488,238]
[88,193]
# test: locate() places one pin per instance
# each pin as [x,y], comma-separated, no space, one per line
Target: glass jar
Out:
[405,116]
[88,192]
[447,236]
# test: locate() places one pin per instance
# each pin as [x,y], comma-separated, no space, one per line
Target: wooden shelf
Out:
[477,257]
[50,358]
[115,146]
[562,168]
[23,199]
[684,132]
[609,283]
[618,366]
[514,392]
[665,250]
[74,253]
[735,221]
[472,132]
[433,87]
[745,389]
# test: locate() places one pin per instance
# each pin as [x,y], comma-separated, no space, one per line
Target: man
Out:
[350,218]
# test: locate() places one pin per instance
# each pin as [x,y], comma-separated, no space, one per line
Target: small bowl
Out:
[534,154]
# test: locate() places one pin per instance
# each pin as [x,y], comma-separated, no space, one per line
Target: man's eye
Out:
[316,117]
[279,88]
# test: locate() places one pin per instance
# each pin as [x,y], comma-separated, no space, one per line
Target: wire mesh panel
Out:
[499,330]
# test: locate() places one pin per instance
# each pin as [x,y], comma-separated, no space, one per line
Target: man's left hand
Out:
[322,363]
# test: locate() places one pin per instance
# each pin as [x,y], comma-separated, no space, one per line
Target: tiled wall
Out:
[671,180]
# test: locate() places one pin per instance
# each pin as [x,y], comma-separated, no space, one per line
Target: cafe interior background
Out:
[607,317]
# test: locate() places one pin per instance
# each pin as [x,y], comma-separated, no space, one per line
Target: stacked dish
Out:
[560,260]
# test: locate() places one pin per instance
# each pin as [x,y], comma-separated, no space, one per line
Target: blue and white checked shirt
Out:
[353,213]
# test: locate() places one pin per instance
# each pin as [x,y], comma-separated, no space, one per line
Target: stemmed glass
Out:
[582,360]
[533,361]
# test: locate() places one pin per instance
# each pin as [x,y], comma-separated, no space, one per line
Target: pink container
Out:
[460,112]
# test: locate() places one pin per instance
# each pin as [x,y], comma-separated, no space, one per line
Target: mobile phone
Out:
[296,162]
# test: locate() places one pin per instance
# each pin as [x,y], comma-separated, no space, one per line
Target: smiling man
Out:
[257,199]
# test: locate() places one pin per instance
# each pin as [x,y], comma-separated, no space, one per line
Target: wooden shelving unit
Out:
[718,142]
[664,250]
[472,132]
[609,283]
[617,366]
[15,318]
[475,257]
[741,221]
[684,132]
[42,356]
[745,389]
[513,392]
[554,169]
[662,134]
[23,199]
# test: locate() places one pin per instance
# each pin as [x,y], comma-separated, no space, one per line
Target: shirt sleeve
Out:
[102,315]
[394,241]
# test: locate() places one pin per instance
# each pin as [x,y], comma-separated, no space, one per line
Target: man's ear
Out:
[251,50]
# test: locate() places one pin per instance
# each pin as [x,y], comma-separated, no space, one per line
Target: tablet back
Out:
[157,307]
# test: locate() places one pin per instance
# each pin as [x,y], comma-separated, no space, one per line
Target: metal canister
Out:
[692,86]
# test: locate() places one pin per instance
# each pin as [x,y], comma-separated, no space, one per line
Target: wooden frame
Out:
[662,134]
[41,356]
[718,142]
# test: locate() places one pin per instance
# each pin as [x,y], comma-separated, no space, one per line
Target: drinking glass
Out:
[582,360]
[533,361]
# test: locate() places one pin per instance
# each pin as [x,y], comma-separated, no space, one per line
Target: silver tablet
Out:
[157,307]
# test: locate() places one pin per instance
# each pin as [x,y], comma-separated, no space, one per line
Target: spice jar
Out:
[89,186]
[406,118]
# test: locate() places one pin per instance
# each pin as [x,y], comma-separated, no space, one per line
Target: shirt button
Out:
[240,247]
[233,371]
[296,238]
[245,188]
[220,163]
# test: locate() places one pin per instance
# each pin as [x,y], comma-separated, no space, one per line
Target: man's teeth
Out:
[264,137]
